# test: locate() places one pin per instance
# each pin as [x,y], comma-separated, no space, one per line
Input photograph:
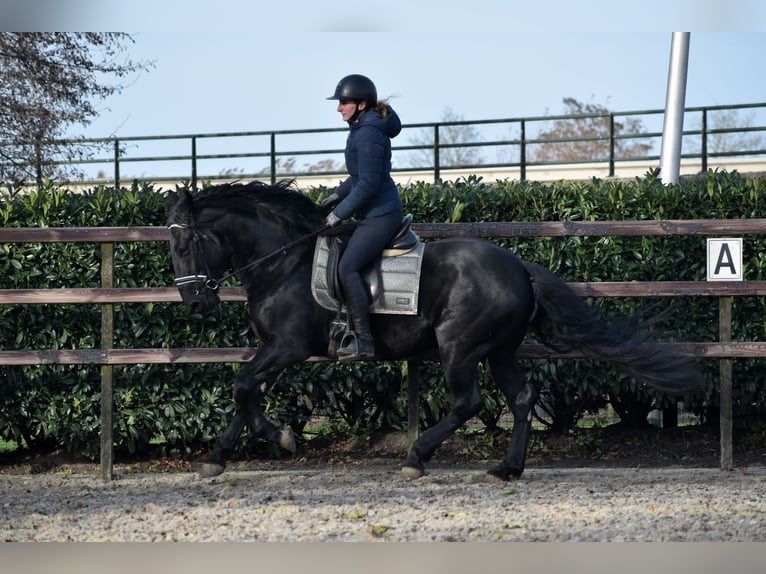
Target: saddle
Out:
[392,280]
[404,241]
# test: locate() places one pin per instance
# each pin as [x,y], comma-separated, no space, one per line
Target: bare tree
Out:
[587,137]
[735,138]
[452,132]
[50,82]
[288,166]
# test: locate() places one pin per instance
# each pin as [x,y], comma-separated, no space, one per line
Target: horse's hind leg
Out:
[521,397]
[466,402]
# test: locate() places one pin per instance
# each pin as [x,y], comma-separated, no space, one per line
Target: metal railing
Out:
[434,147]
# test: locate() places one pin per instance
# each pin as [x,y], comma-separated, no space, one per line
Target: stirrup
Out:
[349,349]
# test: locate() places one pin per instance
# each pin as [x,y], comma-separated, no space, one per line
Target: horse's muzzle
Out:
[199,300]
[202,303]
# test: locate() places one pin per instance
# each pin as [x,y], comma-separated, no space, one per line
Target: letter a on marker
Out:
[725,259]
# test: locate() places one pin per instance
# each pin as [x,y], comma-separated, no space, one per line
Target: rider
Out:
[369,194]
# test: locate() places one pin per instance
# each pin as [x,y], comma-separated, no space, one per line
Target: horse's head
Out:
[198,259]
[234,226]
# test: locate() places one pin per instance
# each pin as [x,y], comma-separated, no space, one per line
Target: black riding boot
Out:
[357,344]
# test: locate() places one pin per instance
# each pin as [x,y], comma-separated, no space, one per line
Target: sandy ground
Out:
[367,501]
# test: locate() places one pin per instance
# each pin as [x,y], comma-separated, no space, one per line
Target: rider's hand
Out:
[332,220]
[331,199]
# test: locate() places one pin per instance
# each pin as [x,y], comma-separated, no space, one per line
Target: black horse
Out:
[476,303]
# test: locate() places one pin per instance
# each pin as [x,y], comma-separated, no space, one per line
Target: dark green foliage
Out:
[574,387]
[182,408]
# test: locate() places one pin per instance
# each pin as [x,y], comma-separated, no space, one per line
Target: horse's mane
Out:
[281,201]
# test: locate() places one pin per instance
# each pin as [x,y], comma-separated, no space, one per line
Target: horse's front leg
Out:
[280,437]
[249,387]
[215,462]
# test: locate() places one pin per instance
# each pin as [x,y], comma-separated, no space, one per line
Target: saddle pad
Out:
[394,282]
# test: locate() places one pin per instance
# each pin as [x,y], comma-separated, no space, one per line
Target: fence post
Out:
[413,398]
[703,150]
[273,158]
[107,372]
[611,145]
[724,330]
[523,152]
[437,172]
[116,164]
[194,162]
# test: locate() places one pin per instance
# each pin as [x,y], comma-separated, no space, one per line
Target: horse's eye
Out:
[181,248]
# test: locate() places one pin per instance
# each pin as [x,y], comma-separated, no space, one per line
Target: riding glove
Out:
[332,220]
[331,199]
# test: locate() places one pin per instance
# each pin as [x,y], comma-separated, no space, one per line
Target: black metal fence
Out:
[711,133]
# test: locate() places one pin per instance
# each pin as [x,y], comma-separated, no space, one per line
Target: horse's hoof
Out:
[286,438]
[410,472]
[502,474]
[210,470]
[496,476]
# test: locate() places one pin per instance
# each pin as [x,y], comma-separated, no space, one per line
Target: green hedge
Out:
[182,407]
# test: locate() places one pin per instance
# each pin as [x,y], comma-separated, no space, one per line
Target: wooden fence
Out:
[107,295]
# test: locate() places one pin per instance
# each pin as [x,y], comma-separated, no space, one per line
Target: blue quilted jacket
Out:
[369,190]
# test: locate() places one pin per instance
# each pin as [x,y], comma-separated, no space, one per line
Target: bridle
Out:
[199,251]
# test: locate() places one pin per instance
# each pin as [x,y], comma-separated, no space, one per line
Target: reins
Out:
[263,258]
[214,284]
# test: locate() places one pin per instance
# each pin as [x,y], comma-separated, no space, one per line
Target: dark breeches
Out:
[367,242]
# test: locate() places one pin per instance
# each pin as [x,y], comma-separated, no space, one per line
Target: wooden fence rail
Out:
[108,295]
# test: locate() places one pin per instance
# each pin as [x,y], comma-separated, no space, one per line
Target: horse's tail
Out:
[565,323]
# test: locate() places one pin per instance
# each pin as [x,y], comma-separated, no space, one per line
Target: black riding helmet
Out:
[356,88]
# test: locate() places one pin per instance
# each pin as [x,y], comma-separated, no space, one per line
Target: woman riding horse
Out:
[369,194]
[476,303]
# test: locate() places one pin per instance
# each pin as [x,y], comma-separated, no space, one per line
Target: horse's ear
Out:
[174,197]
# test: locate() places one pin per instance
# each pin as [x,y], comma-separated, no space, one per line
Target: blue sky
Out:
[237,65]
[241,82]
[213,83]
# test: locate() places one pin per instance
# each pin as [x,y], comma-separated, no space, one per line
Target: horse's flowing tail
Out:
[565,323]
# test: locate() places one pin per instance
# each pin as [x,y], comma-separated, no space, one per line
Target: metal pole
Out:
[704,141]
[673,126]
[194,162]
[117,165]
[523,152]
[437,172]
[611,145]
[273,156]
